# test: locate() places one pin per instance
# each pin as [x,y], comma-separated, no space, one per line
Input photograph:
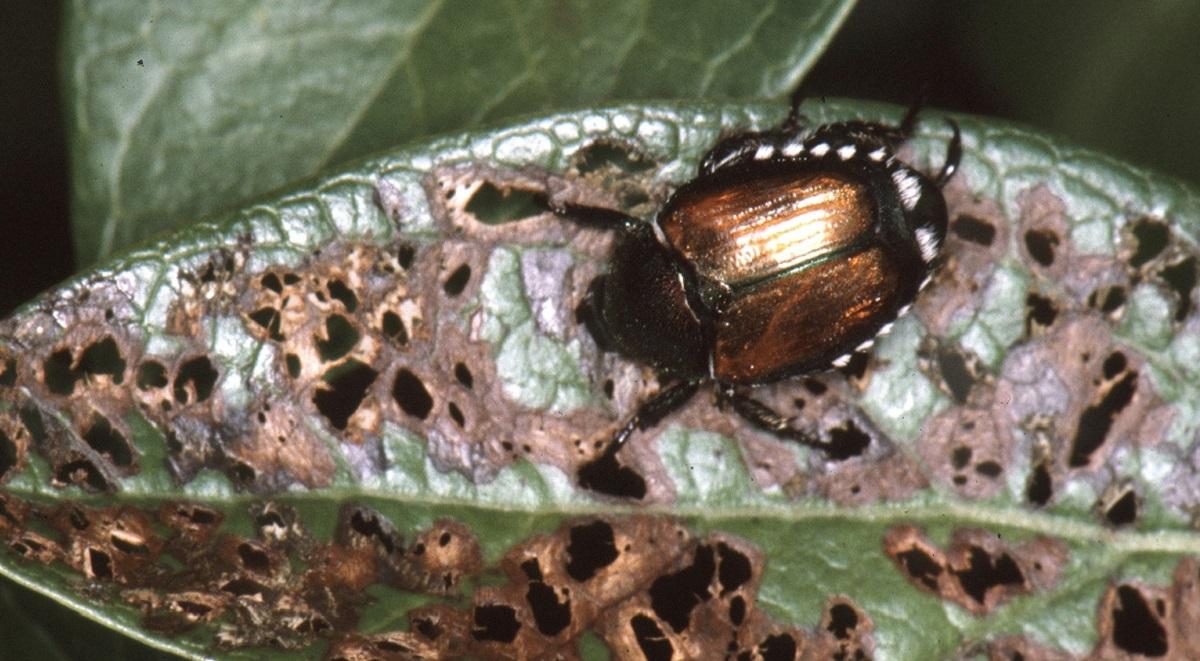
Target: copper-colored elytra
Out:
[812,312]
[750,231]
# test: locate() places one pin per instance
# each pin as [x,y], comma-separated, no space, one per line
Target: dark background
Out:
[1122,77]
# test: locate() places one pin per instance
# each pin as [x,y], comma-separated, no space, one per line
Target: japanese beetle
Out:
[790,250]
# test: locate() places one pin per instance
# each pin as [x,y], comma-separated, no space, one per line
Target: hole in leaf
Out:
[780,647]
[1114,365]
[393,327]
[735,569]
[269,319]
[128,544]
[989,469]
[960,457]
[1107,300]
[57,373]
[200,373]
[1041,486]
[975,230]
[1040,311]
[737,610]
[842,621]
[244,587]
[815,386]
[107,441]
[410,393]
[654,644]
[921,567]
[99,565]
[341,338]
[955,374]
[8,376]
[1135,628]
[405,253]
[103,358]
[293,365]
[1181,278]
[494,206]
[674,596]
[606,475]
[1123,511]
[495,622]
[463,374]
[1152,237]
[457,282]
[984,573]
[1041,245]
[242,473]
[151,375]
[550,615]
[348,383]
[846,441]
[457,414]
[857,367]
[254,558]
[367,524]
[83,473]
[339,291]
[271,281]
[8,454]
[591,548]
[1097,419]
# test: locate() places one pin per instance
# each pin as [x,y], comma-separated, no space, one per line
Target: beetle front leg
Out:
[600,218]
[766,418]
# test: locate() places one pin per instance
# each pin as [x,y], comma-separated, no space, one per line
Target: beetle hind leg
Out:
[767,419]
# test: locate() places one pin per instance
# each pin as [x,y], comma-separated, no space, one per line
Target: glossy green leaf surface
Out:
[180,110]
[818,539]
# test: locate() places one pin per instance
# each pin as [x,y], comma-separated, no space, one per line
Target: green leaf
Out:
[407,221]
[181,111]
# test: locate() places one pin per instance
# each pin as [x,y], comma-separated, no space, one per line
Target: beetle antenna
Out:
[910,118]
[953,155]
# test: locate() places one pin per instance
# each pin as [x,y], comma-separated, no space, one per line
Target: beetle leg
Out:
[604,473]
[953,156]
[651,412]
[796,120]
[767,419]
[591,217]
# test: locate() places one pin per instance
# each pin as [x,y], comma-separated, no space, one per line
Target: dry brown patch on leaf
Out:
[861,465]
[967,446]
[978,238]
[64,389]
[14,445]
[282,588]
[1087,393]
[1139,621]
[978,570]
[644,584]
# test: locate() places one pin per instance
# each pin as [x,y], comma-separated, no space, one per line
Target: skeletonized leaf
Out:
[293,426]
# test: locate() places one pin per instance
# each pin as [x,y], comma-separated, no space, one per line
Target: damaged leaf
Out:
[349,422]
